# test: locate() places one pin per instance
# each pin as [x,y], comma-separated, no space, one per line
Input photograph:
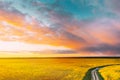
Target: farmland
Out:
[111,72]
[50,68]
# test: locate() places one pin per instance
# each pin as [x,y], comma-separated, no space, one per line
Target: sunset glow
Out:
[59,28]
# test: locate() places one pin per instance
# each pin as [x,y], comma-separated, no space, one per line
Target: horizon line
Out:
[59,57]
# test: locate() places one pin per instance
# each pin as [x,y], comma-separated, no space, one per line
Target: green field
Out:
[50,68]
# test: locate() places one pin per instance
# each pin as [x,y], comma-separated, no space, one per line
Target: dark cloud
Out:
[73,37]
[54,51]
[65,51]
[115,49]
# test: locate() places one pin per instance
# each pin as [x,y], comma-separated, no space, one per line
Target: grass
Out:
[50,69]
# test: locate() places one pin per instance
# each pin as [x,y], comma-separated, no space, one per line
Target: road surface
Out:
[94,74]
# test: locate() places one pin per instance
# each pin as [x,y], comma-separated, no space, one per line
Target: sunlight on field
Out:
[111,72]
[49,69]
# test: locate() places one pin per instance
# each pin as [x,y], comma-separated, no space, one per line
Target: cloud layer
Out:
[84,26]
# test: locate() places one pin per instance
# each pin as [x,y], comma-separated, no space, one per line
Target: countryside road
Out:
[94,74]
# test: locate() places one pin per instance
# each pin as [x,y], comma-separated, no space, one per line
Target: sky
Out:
[59,28]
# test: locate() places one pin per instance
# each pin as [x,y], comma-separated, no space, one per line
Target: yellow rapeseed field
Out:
[111,72]
[49,69]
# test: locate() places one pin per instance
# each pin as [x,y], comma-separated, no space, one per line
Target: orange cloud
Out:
[14,27]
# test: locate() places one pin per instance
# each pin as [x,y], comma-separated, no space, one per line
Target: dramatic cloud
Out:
[104,48]
[77,27]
